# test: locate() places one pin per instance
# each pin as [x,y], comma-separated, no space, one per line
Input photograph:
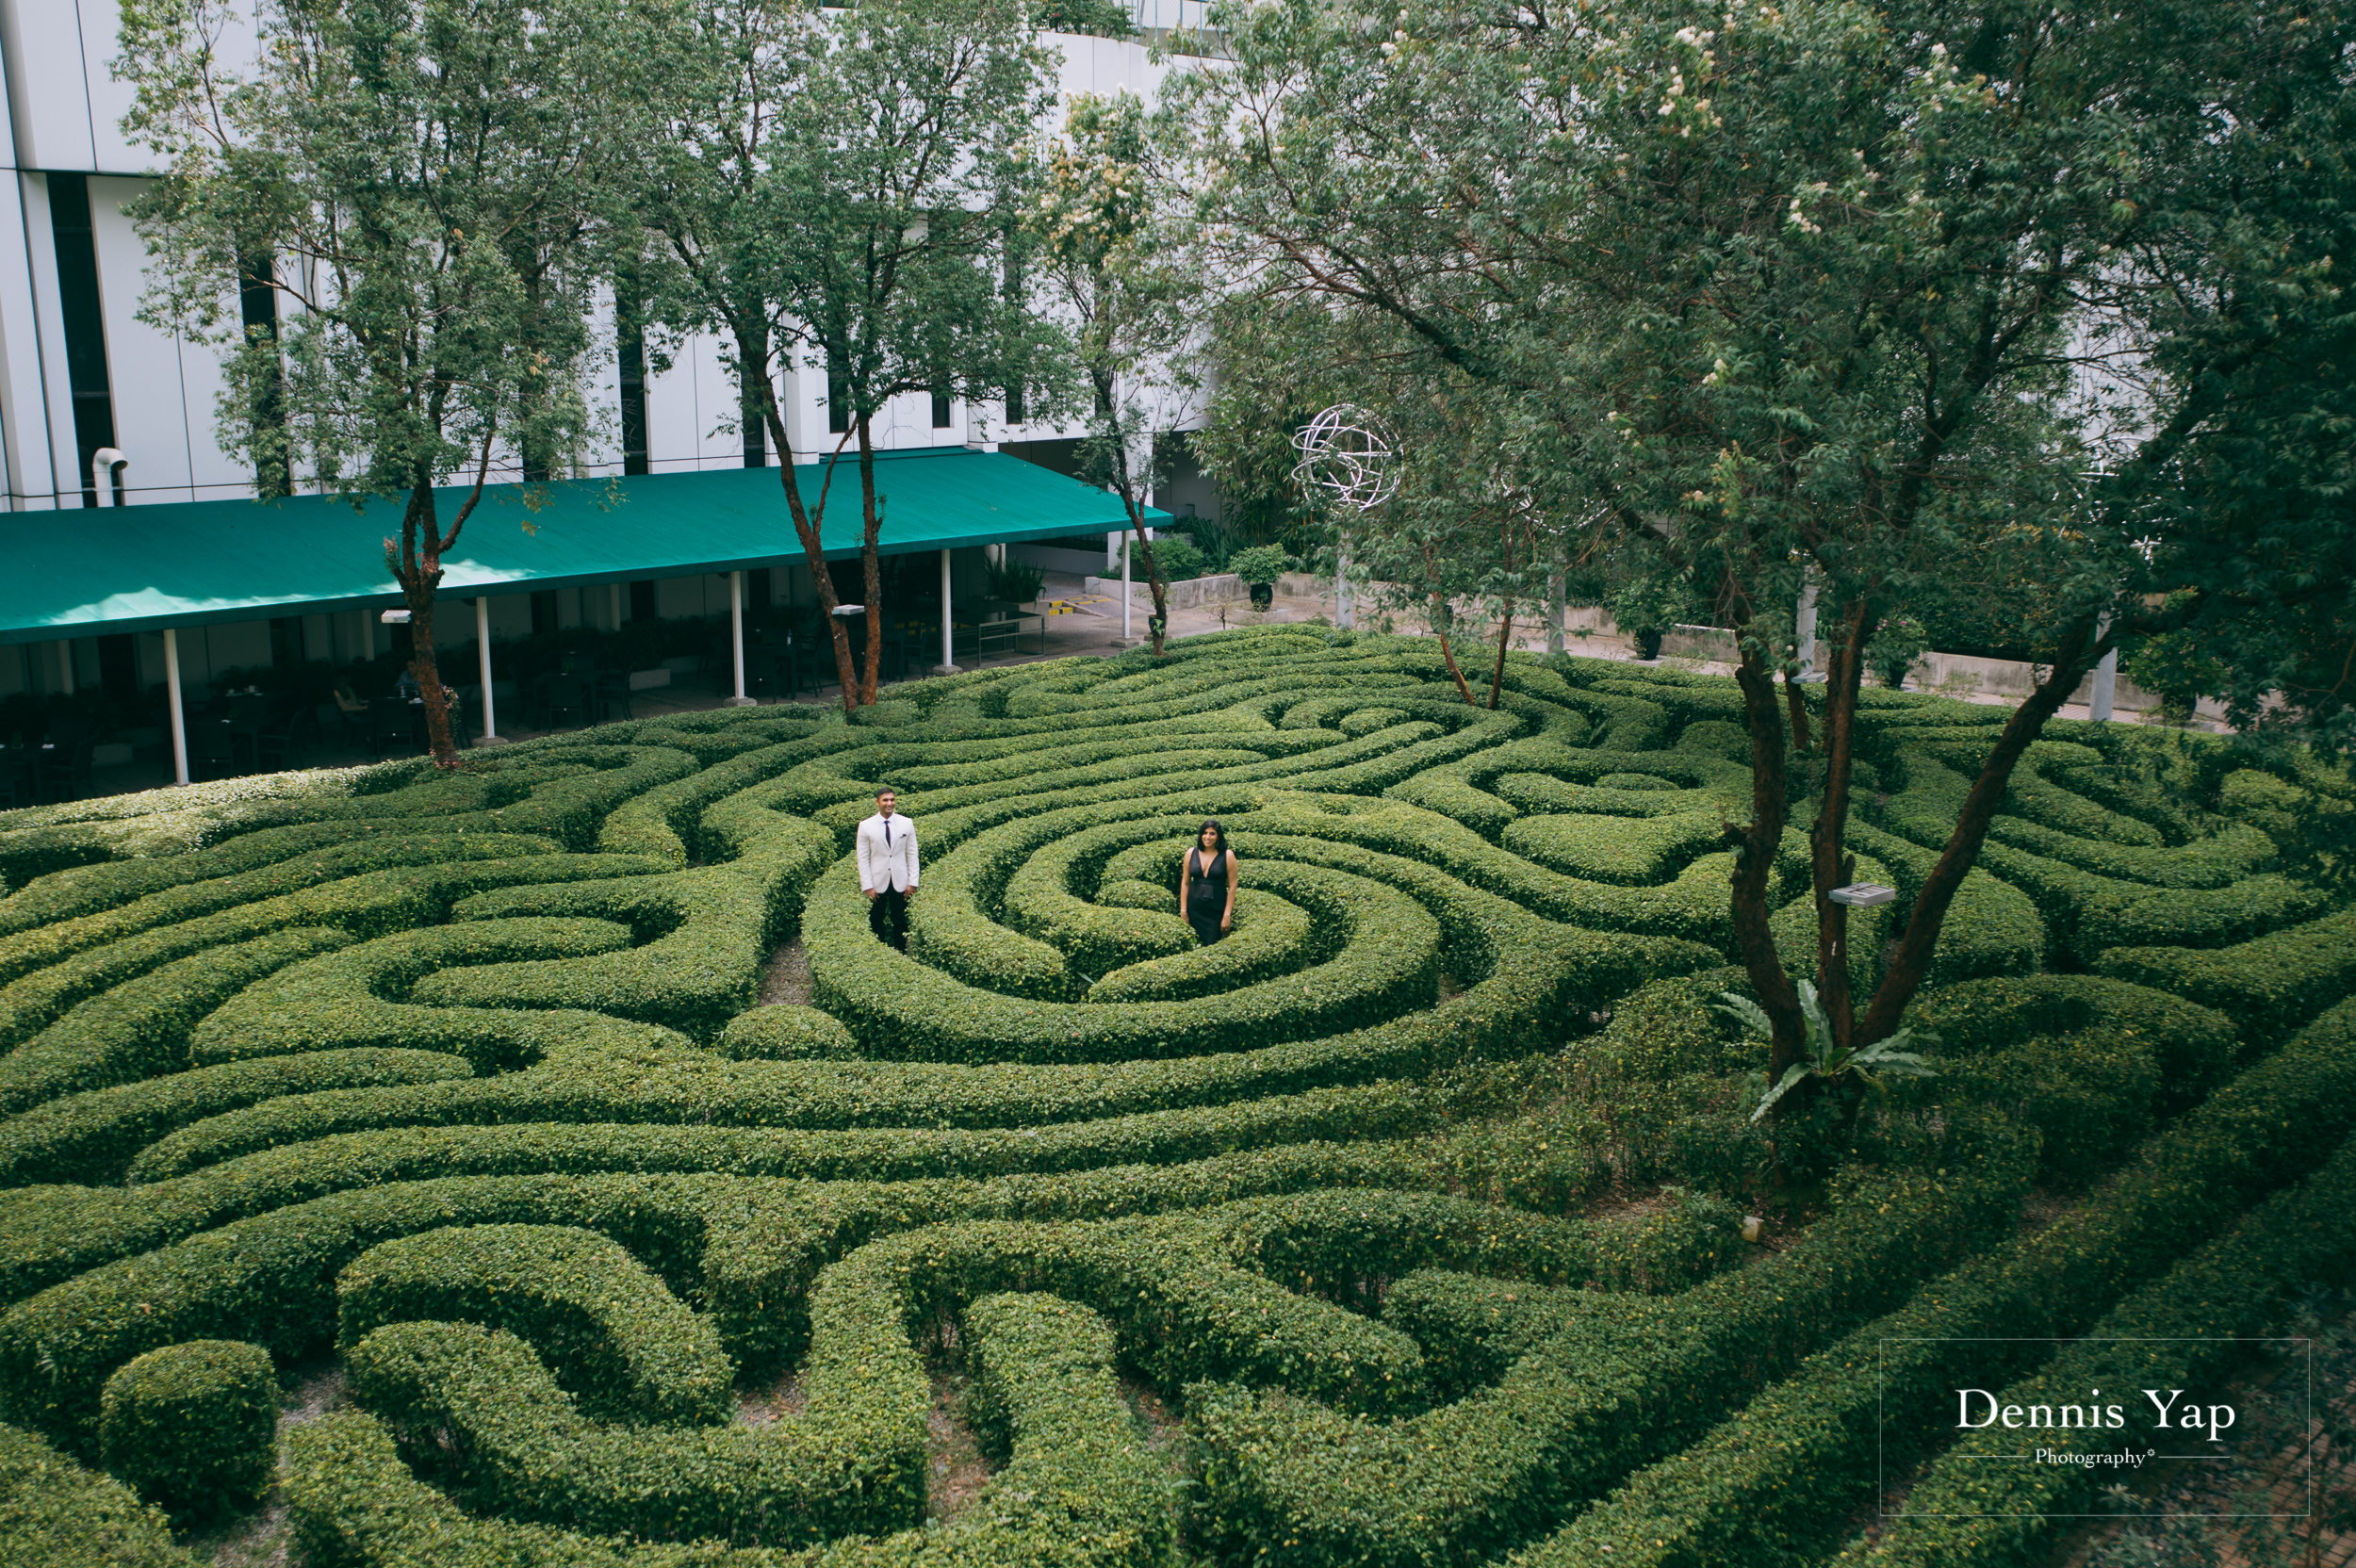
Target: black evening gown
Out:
[1206,894]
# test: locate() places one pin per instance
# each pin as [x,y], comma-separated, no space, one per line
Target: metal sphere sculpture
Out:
[1349,457]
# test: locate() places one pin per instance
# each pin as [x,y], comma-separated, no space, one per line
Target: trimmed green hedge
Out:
[1478,1477]
[1785,1475]
[1326,1178]
[143,1027]
[619,1341]
[193,1427]
[90,1138]
[57,1514]
[2232,1287]
[335,1002]
[2272,984]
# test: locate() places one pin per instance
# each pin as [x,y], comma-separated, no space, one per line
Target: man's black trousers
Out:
[888,917]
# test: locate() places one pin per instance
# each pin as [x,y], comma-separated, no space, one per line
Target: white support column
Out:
[490,735]
[1341,585]
[2106,679]
[1128,545]
[1804,625]
[736,636]
[948,665]
[65,666]
[179,719]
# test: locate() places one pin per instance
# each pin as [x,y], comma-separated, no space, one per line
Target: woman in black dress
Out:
[1206,884]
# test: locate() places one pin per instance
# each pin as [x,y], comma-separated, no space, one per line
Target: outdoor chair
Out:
[609,692]
[391,722]
[566,695]
[212,749]
[275,747]
[64,774]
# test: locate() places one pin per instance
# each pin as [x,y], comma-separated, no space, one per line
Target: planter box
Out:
[641,681]
[113,754]
[1189,594]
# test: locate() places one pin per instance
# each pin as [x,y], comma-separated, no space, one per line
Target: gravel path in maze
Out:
[566,1099]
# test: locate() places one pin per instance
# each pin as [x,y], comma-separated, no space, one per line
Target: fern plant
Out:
[1824,1058]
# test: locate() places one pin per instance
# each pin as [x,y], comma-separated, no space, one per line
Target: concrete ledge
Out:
[1189,594]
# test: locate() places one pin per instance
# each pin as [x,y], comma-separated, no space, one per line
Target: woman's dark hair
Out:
[1210,825]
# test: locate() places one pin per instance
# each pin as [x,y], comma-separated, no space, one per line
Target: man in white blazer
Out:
[886,870]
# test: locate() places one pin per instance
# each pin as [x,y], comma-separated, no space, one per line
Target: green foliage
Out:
[193,1427]
[52,1512]
[1828,1058]
[1651,605]
[1175,557]
[1099,18]
[1422,1191]
[1016,582]
[1257,563]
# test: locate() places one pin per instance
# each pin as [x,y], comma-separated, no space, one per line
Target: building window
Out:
[1014,405]
[757,588]
[940,408]
[642,601]
[85,324]
[838,397]
[544,613]
[631,347]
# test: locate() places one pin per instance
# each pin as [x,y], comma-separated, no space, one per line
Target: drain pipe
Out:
[105,475]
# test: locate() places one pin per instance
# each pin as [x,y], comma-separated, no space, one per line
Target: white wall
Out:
[63,113]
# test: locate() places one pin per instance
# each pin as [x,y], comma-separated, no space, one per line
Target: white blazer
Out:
[882,865]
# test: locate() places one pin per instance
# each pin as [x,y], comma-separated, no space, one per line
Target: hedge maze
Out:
[1411,1212]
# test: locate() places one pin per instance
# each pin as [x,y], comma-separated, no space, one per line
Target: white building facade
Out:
[80,372]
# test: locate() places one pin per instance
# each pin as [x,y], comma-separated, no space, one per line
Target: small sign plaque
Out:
[1863,895]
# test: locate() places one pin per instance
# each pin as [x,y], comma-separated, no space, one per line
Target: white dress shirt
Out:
[887,853]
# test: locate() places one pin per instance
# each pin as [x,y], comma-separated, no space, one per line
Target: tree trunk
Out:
[1755,845]
[2080,650]
[753,366]
[1447,651]
[1505,638]
[1830,864]
[417,567]
[871,564]
[1157,627]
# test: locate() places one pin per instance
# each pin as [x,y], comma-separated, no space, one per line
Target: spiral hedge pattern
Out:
[462,1085]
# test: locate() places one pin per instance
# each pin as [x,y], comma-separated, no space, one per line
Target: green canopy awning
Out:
[77,574]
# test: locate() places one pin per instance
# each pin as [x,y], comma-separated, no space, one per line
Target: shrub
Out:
[193,1427]
[484,1046]
[620,1342]
[1175,557]
[59,1516]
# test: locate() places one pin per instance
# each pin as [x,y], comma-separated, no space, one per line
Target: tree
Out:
[893,177]
[1814,294]
[728,70]
[430,176]
[1103,237]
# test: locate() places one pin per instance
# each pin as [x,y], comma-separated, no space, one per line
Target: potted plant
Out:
[1016,583]
[1647,608]
[1259,567]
